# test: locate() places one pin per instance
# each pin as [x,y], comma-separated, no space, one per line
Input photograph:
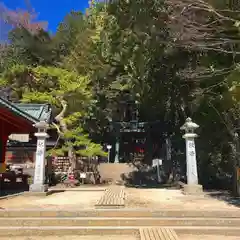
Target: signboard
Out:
[83,175]
[156,162]
[19,137]
[132,130]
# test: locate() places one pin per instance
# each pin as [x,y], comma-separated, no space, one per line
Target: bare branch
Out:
[200,26]
[58,128]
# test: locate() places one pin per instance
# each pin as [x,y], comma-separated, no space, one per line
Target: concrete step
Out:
[122,222]
[118,213]
[111,230]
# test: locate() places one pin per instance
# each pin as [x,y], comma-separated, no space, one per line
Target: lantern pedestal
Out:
[39,188]
[192,189]
[39,174]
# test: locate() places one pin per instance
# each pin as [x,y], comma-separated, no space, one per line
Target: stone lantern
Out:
[39,173]
[192,186]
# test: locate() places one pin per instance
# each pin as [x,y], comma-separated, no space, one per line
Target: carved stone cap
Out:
[42,125]
[189,125]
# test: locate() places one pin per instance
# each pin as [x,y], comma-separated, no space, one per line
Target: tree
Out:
[32,48]
[173,57]
[21,18]
[67,33]
[28,41]
[70,97]
[176,58]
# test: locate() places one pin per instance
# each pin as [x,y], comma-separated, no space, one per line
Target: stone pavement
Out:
[113,196]
[158,234]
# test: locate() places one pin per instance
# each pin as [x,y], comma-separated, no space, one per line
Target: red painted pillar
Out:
[3,146]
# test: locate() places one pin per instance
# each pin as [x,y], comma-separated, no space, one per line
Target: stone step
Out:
[113,221]
[66,230]
[118,213]
[111,230]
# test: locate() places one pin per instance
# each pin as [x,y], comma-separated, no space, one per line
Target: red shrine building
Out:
[18,120]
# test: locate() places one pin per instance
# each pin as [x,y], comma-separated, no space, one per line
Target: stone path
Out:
[114,196]
[158,234]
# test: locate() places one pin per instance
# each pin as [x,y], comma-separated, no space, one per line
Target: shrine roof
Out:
[41,112]
[31,112]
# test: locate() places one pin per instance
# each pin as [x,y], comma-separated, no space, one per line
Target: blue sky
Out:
[52,11]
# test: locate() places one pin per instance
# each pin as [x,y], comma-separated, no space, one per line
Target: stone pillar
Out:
[116,160]
[39,173]
[192,175]
[192,186]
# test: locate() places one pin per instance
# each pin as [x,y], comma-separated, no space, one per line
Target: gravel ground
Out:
[121,237]
[174,199]
[208,237]
[68,199]
[109,237]
[135,198]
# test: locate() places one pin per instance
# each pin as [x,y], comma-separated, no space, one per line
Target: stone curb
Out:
[120,222]
[116,213]
[11,195]
[111,230]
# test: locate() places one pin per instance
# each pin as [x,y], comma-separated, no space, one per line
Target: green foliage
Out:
[147,51]
[68,93]
[32,48]
[67,32]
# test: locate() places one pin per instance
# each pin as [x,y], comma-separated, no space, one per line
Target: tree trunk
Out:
[60,119]
[236,187]
[169,163]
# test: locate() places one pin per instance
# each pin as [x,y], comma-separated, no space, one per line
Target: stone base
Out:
[38,188]
[193,189]
[37,194]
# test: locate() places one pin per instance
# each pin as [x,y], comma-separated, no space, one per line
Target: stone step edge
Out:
[114,227]
[119,212]
[120,222]
[121,218]
[126,209]
[63,230]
